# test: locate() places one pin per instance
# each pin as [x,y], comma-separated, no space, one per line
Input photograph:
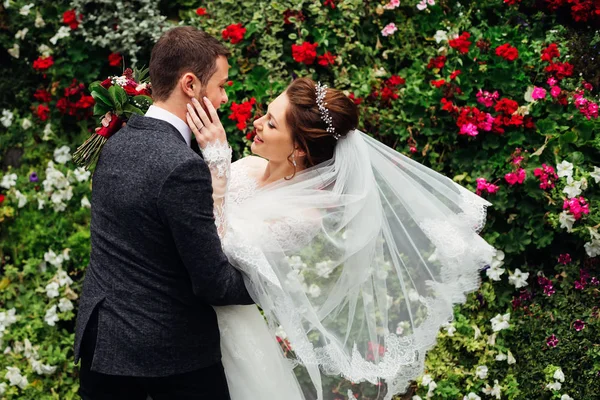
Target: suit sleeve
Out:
[185,201]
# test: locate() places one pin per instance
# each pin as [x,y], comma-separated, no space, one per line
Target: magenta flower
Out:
[538,93]
[484,186]
[594,281]
[552,81]
[580,284]
[564,259]
[579,325]
[468,129]
[549,290]
[552,341]
[486,98]
[576,206]
[513,178]
[555,91]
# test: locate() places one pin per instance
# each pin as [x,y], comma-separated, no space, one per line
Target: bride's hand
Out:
[206,129]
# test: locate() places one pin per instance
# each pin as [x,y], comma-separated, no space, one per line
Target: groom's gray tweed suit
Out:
[156,263]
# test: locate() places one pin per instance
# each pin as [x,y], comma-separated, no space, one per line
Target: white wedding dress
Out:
[359,260]
[253,360]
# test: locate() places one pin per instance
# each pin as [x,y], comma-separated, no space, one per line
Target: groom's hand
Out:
[106,121]
[206,129]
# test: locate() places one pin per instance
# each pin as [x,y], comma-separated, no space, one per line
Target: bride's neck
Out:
[276,171]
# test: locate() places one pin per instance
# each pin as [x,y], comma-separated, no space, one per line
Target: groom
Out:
[146,326]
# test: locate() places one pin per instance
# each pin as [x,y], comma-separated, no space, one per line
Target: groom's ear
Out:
[187,82]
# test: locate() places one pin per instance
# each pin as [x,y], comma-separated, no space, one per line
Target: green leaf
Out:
[119,97]
[101,109]
[99,93]
[131,109]
[569,137]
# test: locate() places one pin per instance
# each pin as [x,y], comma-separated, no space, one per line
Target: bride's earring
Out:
[294,160]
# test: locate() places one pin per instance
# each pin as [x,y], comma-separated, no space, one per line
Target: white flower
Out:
[592,248]
[493,391]
[494,273]
[39,21]
[65,305]
[21,198]
[47,132]
[2,388]
[432,386]
[15,378]
[7,116]
[314,290]
[415,397]
[566,397]
[51,318]
[441,36]
[595,174]
[471,396]
[511,359]
[55,259]
[81,174]
[427,379]
[52,290]
[564,169]
[413,295]
[25,9]
[62,154]
[63,32]
[85,203]
[477,332]
[15,52]
[566,220]
[8,181]
[492,339]
[20,35]
[44,50]
[501,357]
[500,322]
[324,268]
[559,375]
[573,188]
[41,369]
[450,329]
[61,275]
[41,203]
[481,372]
[26,124]
[554,386]
[518,278]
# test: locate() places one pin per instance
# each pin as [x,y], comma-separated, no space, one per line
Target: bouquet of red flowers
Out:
[121,96]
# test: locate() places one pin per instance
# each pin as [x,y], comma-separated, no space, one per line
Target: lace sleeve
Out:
[217,156]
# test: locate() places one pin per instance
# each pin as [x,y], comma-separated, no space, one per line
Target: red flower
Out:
[42,95]
[201,11]
[114,59]
[43,63]
[85,102]
[2,198]
[326,59]
[448,106]
[461,43]
[395,80]
[106,83]
[229,83]
[507,52]
[234,32]
[388,93]
[42,112]
[305,53]
[550,52]
[454,74]
[506,106]
[329,3]
[291,13]
[439,83]
[560,70]
[242,113]
[70,18]
[529,124]
[356,100]
[437,62]
[512,2]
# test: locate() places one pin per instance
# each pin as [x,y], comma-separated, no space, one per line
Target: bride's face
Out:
[273,140]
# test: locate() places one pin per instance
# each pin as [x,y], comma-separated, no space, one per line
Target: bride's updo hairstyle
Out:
[307,126]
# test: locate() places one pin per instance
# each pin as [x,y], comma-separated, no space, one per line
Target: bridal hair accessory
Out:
[321,91]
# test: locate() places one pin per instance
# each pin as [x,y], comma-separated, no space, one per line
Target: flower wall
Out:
[501,96]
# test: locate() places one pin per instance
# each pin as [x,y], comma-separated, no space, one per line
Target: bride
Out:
[356,252]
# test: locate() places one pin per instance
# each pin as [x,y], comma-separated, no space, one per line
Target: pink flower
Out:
[392,4]
[552,341]
[579,325]
[486,98]
[389,29]
[555,91]
[552,81]
[513,178]
[484,186]
[576,206]
[468,129]
[546,175]
[538,93]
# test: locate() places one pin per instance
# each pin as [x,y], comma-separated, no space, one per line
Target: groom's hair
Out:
[181,50]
